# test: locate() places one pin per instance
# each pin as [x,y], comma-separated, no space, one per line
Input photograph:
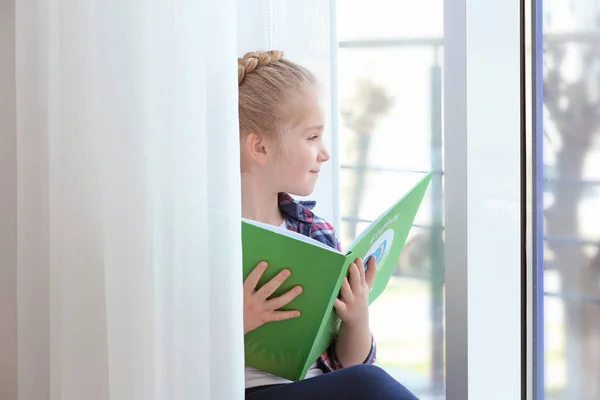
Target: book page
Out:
[292,234]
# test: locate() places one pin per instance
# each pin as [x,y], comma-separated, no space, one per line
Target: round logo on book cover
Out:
[380,248]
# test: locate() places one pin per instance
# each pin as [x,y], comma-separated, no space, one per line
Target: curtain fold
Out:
[128,247]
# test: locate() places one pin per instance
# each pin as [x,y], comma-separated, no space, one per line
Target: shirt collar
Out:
[295,209]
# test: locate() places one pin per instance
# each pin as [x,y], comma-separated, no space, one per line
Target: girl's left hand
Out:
[353,305]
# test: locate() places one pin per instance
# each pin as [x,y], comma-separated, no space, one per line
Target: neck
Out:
[259,202]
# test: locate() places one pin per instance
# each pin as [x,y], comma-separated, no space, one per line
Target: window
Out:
[571,194]
[390,134]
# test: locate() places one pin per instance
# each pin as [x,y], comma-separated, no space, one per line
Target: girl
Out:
[282,150]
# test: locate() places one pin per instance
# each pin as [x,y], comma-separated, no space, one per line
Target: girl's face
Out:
[297,167]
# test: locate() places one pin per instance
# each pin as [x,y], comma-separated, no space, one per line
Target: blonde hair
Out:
[269,87]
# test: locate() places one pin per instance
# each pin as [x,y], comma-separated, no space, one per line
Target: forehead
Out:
[305,112]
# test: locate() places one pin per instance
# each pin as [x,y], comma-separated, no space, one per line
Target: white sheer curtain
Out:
[123,176]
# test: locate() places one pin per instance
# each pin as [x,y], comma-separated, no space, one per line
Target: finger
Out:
[282,315]
[254,276]
[371,271]
[354,277]
[340,307]
[361,270]
[347,291]
[287,297]
[270,287]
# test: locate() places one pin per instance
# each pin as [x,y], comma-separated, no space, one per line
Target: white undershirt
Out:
[255,377]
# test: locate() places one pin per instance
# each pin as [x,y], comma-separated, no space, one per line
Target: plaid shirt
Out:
[299,218]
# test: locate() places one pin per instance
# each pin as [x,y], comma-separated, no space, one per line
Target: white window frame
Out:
[482,101]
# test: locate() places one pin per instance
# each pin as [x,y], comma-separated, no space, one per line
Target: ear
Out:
[256,148]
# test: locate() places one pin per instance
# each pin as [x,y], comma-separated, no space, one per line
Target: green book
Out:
[288,348]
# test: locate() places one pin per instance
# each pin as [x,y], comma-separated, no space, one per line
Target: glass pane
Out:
[371,192]
[571,152]
[385,101]
[390,134]
[377,19]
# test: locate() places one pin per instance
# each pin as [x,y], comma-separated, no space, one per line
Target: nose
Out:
[323,155]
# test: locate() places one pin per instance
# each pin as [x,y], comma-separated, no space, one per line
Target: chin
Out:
[302,192]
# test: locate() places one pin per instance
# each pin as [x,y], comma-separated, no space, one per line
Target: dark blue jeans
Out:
[353,383]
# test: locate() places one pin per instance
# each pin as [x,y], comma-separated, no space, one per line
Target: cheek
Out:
[296,163]
[307,161]
[311,153]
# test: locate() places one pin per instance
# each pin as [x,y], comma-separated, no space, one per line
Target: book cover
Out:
[288,348]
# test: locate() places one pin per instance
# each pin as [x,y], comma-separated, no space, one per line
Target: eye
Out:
[313,137]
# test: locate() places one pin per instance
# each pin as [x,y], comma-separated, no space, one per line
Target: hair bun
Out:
[253,60]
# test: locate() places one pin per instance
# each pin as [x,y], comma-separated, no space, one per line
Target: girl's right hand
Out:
[257,309]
